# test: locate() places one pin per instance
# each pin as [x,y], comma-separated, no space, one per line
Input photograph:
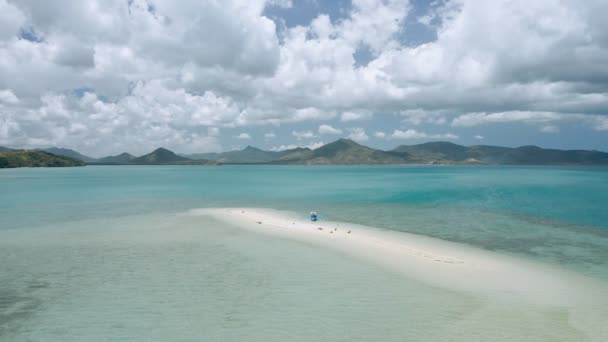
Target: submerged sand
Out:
[443,264]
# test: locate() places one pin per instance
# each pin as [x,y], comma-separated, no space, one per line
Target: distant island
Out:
[162,156]
[339,152]
[30,158]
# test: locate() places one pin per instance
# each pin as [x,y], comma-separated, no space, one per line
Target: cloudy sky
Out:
[107,76]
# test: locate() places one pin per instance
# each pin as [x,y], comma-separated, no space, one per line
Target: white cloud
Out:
[414,134]
[7,96]
[419,116]
[213,131]
[270,135]
[355,116]
[280,3]
[425,19]
[380,134]
[11,20]
[544,119]
[479,137]
[315,145]
[476,119]
[311,146]
[151,78]
[327,129]
[244,136]
[549,129]
[283,147]
[599,123]
[300,135]
[358,134]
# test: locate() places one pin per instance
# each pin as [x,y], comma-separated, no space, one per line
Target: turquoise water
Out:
[101,252]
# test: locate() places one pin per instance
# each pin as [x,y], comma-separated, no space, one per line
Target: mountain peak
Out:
[341,143]
[529,147]
[159,156]
[440,143]
[347,141]
[123,158]
[250,148]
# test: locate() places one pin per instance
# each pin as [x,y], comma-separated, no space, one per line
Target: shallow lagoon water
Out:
[102,253]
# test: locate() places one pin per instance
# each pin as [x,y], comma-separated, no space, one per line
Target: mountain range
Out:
[160,156]
[248,155]
[348,152]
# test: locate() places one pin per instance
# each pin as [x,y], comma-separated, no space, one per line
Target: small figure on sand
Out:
[313,216]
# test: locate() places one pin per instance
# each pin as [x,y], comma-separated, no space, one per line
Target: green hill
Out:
[159,156]
[449,153]
[341,152]
[248,155]
[123,158]
[66,152]
[30,158]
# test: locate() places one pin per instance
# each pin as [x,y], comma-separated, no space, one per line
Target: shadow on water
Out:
[17,306]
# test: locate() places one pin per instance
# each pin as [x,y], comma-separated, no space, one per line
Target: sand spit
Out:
[440,263]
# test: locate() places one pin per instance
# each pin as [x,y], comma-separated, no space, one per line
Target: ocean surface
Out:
[103,253]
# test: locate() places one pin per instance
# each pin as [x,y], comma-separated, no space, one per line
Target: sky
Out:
[108,76]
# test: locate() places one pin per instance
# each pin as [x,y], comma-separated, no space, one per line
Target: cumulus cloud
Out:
[105,76]
[311,146]
[476,119]
[479,137]
[151,115]
[328,129]
[414,134]
[281,3]
[419,116]
[7,96]
[380,134]
[358,134]
[355,116]
[283,147]
[315,145]
[300,135]
[244,136]
[11,20]
[270,135]
[544,119]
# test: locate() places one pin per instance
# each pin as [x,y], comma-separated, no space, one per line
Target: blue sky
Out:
[104,77]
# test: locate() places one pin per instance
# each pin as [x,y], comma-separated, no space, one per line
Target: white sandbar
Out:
[439,263]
